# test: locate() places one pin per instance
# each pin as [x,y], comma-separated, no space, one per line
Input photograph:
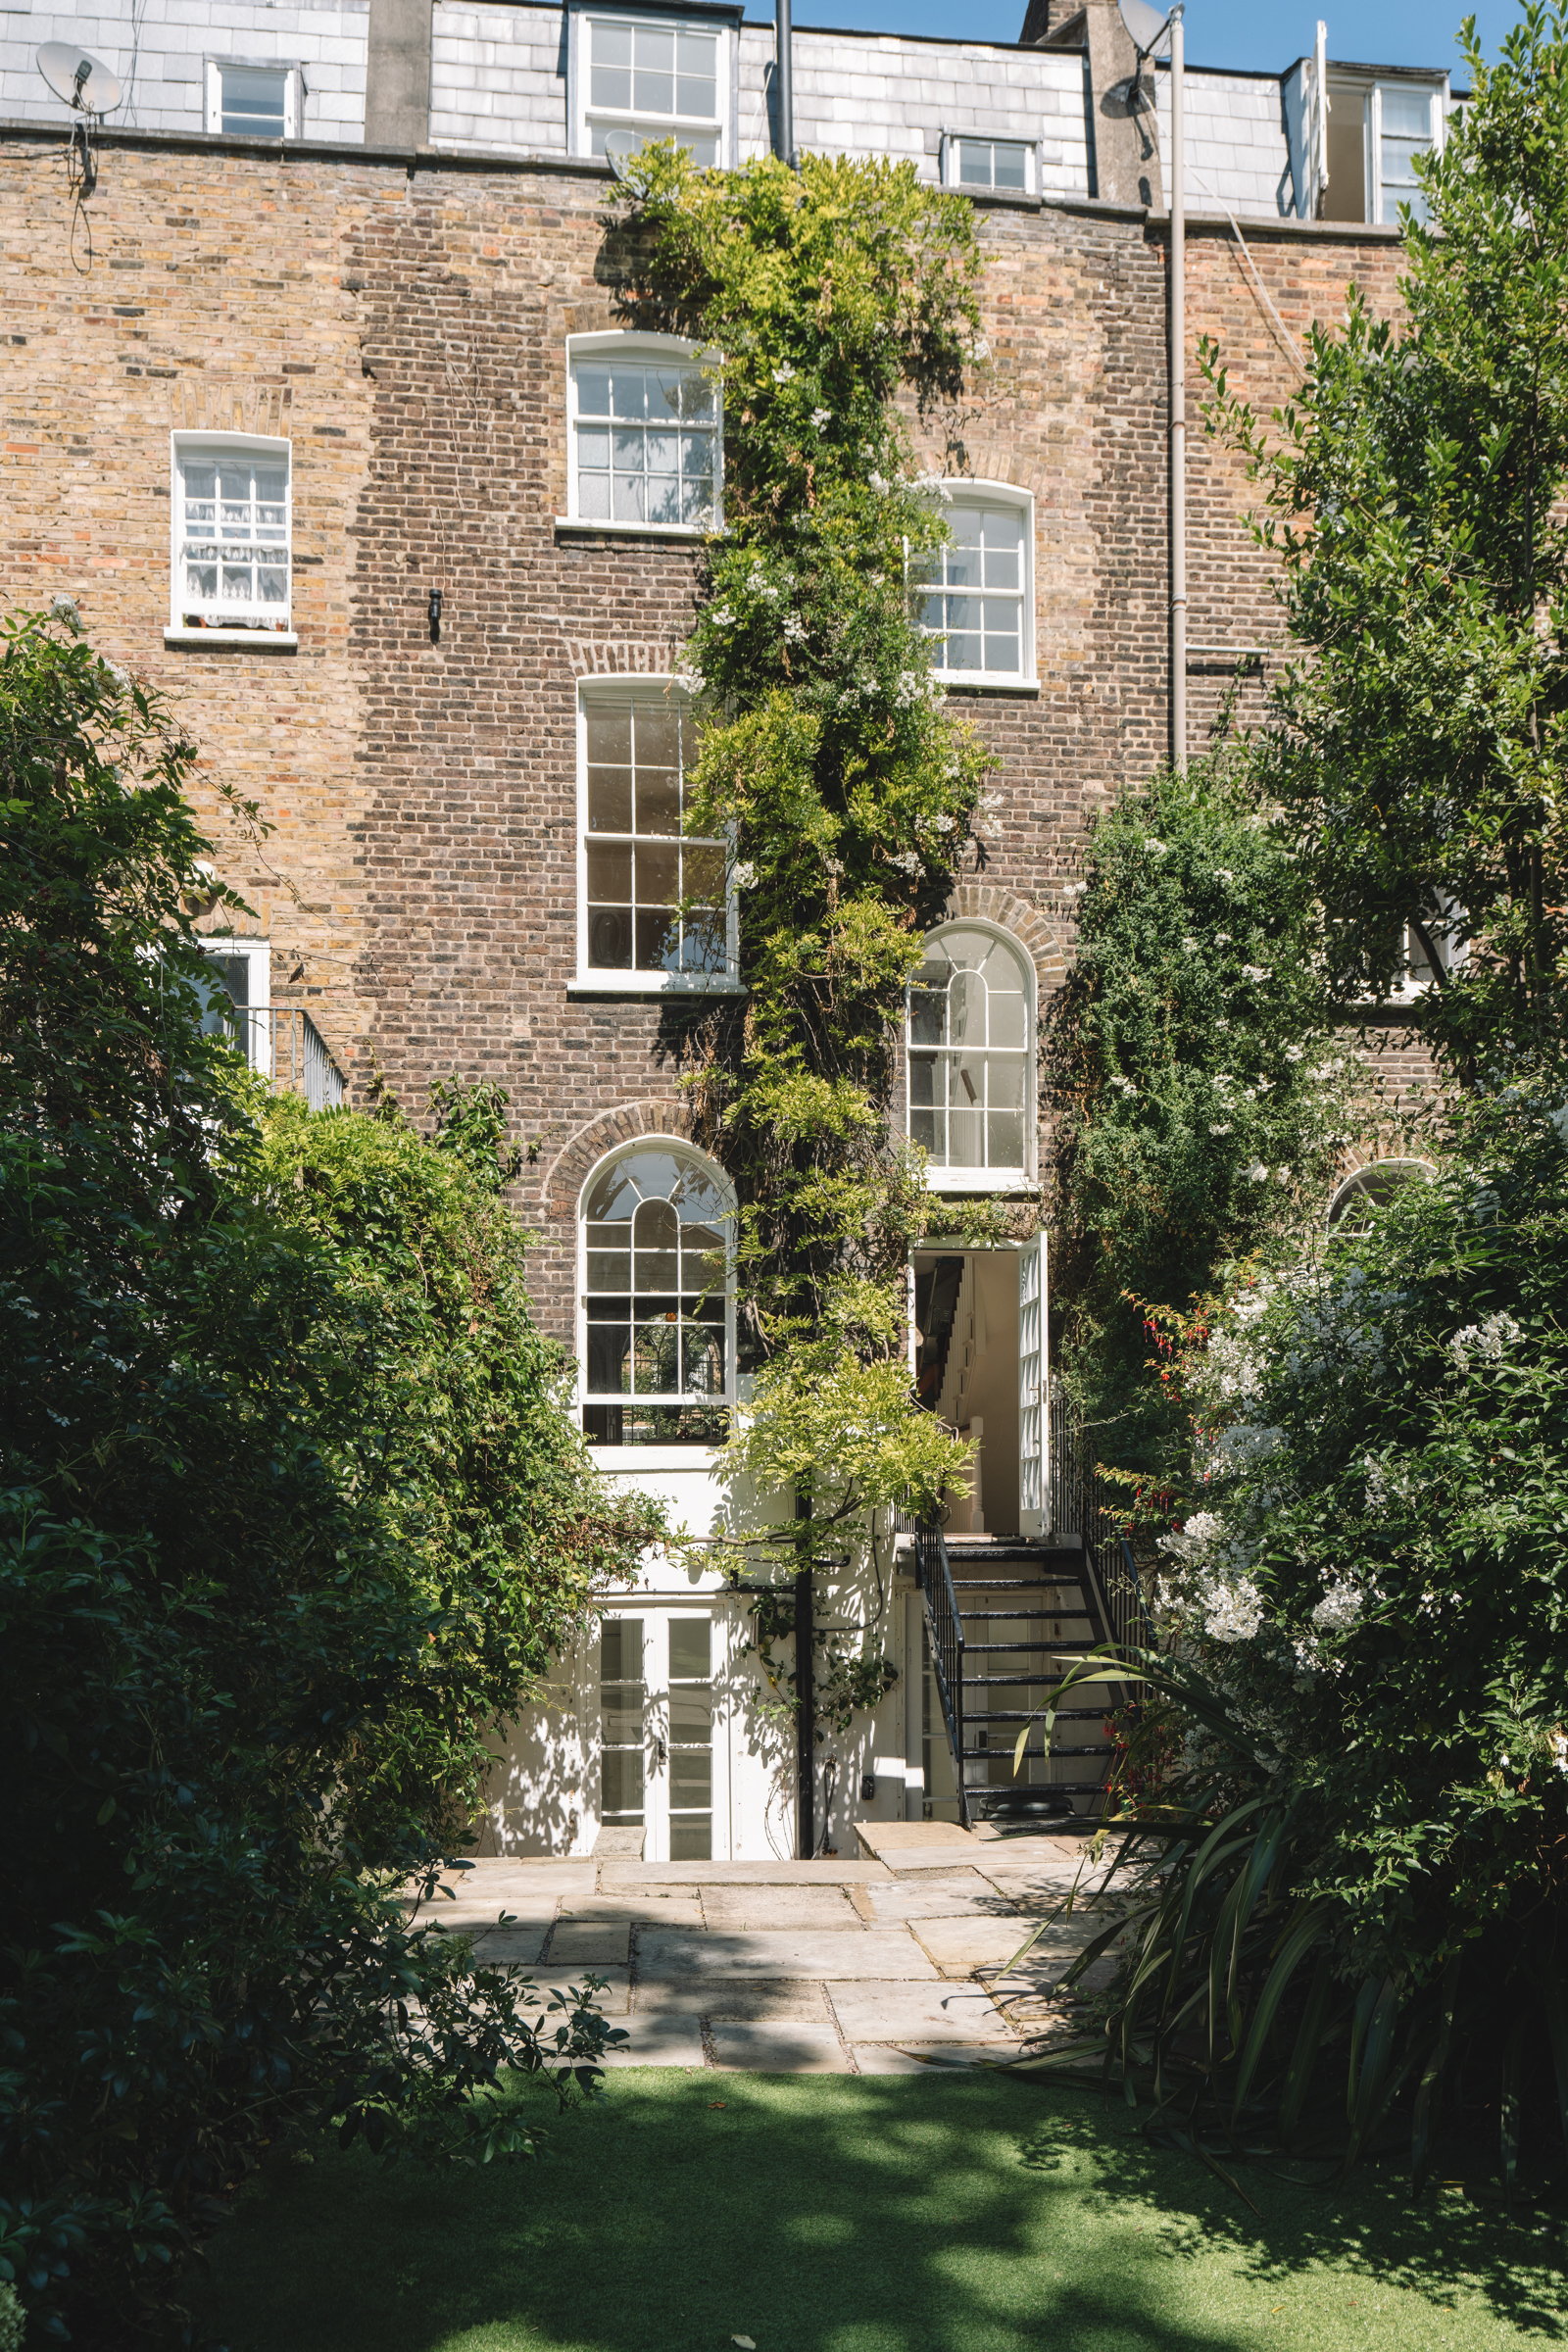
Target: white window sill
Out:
[571,526]
[962,1183]
[260,641]
[983,682]
[652,984]
[652,1457]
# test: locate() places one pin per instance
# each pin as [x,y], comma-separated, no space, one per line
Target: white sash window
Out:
[658,1341]
[970,1049]
[978,605]
[645,434]
[231,533]
[640,79]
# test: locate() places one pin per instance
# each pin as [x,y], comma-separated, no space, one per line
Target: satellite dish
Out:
[1151,30]
[79,78]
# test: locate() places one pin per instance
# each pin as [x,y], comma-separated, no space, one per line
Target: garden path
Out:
[879,1964]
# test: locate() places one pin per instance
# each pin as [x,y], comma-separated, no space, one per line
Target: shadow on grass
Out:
[952,2212]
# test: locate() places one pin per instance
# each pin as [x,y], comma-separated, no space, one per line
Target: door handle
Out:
[660,1753]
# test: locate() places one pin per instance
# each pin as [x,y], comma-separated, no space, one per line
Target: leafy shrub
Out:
[1196,1081]
[289,1512]
[1367,1634]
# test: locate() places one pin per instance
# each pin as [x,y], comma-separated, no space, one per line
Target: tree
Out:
[1196,1086]
[286,1475]
[1413,494]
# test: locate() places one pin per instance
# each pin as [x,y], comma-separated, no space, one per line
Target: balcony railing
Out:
[282,1043]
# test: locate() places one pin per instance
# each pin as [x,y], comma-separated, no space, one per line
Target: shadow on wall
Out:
[816,2213]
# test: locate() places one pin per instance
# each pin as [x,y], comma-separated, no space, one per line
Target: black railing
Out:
[1081,1505]
[934,1579]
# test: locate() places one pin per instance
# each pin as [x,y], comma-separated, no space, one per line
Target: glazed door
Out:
[1033,1422]
[662,1748]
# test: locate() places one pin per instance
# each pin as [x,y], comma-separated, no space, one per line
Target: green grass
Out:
[949,2213]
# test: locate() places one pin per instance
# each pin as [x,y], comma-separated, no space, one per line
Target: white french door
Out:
[1033,1421]
[663,1745]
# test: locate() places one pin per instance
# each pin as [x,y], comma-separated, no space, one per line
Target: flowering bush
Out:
[1365,1622]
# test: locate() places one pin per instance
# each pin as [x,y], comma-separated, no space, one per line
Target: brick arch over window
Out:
[1041,942]
[584,1148]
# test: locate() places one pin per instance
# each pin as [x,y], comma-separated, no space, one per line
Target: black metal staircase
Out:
[1003,1616]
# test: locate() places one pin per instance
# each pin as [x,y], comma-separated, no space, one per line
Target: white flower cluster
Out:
[64,608]
[1257,971]
[907,861]
[1558,1740]
[783,373]
[1341,1604]
[721,617]
[943,824]
[794,628]
[1557,1121]
[744,874]
[1242,1448]
[1122,1084]
[1232,1612]
[1229,1602]
[1156,849]
[879,482]
[1219,1126]
[915,686]
[821,419]
[1490,1341]
[932,485]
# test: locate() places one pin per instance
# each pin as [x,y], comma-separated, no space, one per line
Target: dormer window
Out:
[1376,130]
[641,78]
[1007,166]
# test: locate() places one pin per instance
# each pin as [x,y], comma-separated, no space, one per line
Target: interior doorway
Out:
[966,1371]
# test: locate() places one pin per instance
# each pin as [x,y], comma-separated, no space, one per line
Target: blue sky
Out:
[1219,32]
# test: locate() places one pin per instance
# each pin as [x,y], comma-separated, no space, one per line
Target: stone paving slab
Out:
[884,2058]
[760,1910]
[669,1907]
[739,2001]
[962,1947]
[577,1942]
[888,2012]
[638,1877]
[511,1948]
[659,2041]
[934,1894]
[868,1953]
[896,1842]
[780,2048]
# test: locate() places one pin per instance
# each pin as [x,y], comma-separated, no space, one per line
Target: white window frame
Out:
[950,141]
[964,491]
[187,445]
[258,953]
[293,94]
[655,1457]
[986,1180]
[1373,132]
[649,351]
[592,980]
[579,49]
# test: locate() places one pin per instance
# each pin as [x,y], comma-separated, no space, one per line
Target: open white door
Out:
[1034,1427]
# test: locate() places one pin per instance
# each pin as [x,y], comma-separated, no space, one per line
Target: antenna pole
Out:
[784,35]
[1178,396]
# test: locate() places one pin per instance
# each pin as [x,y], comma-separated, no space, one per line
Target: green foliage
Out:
[830,764]
[1413,494]
[289,1512]
[1197,1082]
[1366,1861]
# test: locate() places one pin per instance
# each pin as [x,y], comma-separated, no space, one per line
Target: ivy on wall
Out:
[822,299]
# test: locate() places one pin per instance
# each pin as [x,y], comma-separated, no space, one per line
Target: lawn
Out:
[817,2213]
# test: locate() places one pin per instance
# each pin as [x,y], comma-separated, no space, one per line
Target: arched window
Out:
[1349,1212]
[970,1055]
[658,1342]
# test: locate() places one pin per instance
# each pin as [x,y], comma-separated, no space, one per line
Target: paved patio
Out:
[871,1965]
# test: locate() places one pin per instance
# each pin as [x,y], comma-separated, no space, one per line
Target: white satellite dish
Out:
[79,78]
[1149,26]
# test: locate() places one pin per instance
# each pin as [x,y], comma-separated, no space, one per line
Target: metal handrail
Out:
[934,1576]
[1081,1505]
[283,1043]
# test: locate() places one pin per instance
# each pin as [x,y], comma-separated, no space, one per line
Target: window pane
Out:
[1007,1020]
[610,85]
[974,163]
[657,940]
[608,1352]
[1002,648]
[621,1784]
[1006,1139]
[690,1649]
[658,873]
[658,735]
[1010,166]
[703,1358]
[609,939]
[655,1369]
[703,873]
[690,1838]
[928,1014]
[593,389]
[610,870]
[1004,1081]
[1407,115]
[612,44]
[610,800]
[691,1773]
[252,101]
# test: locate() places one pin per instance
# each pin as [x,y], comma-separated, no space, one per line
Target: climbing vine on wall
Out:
[827,302]
[820,298]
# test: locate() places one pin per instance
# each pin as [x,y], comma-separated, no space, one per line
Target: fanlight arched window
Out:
[657,1325]
[971,1064]
[1370,1188]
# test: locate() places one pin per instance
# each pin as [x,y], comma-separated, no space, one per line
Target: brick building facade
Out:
[394,316]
